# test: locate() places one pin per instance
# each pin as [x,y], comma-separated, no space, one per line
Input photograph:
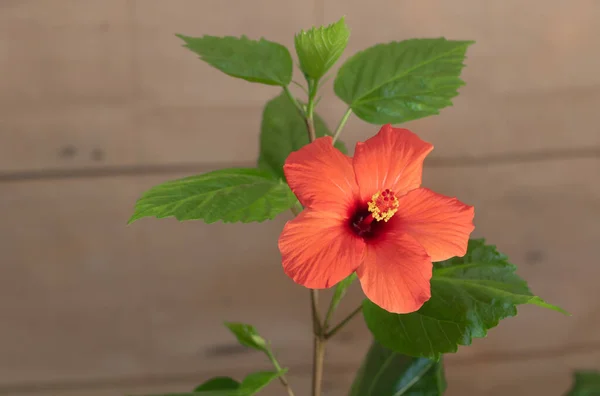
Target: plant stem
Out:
[318,330]
[282,378]
[318,359]
[289,94]
[348,318]
[310,127]
[310,109]
[319,344]
[302,87]
[314,305]
[328,316]
[341,124]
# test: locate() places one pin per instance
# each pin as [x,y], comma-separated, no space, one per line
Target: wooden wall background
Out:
[98,102]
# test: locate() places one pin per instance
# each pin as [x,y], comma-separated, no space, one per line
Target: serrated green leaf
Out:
[319,48]
[247,335]
[218,384]
[282,131]
[402,81]
[260,61]
[469,295]
[587,383]
[230,195]
[387,373]
[250,386]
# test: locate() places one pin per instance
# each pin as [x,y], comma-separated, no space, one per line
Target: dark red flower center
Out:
[368,220]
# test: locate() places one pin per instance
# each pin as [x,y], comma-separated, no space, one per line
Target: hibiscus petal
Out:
[441,224]
[322,177]
[391,159]
[319,249]
[396,273]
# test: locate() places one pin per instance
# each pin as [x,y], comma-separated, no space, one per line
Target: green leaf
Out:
[283,130]
[587,383]
[250,386]
[260,61]
[469,295]
[257,381]
[231,195]
[340,290]
[402,81]
[218,383]
[388,373]
[247,336]
[319,48]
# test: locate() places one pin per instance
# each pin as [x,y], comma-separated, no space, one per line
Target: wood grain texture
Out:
[529,84]
[89,84]
[169,75]
[482,125]
[336,384]
[110,84]
[548,376]
[63,53]
[92,307]
[526,46]
[549,47]
[98,299]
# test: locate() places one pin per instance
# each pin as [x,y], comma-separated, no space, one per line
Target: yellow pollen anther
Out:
[383,205]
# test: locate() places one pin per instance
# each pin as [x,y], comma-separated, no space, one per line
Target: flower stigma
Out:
[383,205]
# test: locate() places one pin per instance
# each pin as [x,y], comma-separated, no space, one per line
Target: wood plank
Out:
[65,84]
[542,216]
[548,375]
[72,293]
[88,84]
[169,75]
[112,85]
[62,13]
[520,47]
[481,124]
[98,136]
[75,51]
[544,47]
[77,136]
[98,299]
[199,134]
[524,88]
[62,53]
[336,383]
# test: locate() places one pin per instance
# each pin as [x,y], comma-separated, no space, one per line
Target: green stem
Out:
[310,109]
[318,361]
[342,124]
[289,94]
[310,127]
[302,87]
[314,307]
[337,328]
[282,377]
[318,329]
[318,344]
[329,314]
[313,86]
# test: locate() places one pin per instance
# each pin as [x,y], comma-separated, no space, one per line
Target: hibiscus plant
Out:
[428,287]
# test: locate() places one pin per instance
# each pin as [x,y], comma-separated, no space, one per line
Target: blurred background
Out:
[99,101]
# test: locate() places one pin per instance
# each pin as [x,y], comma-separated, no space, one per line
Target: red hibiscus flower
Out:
[369,214]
